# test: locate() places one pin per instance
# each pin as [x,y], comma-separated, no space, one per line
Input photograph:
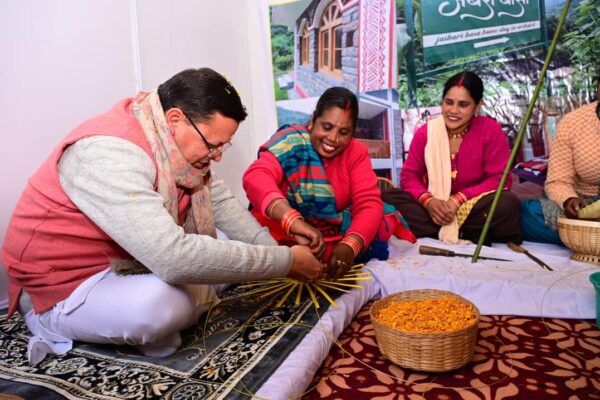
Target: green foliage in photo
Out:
[282,49]
[280,94]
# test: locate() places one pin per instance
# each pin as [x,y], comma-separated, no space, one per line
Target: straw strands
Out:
[287,287]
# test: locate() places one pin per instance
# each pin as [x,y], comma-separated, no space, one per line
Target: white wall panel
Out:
[62,61]
[230,36]
[66,60]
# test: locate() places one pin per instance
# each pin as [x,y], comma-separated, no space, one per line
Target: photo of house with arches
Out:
[347,43]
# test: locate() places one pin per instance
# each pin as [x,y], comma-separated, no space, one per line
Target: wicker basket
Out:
[581,236]
[431,352]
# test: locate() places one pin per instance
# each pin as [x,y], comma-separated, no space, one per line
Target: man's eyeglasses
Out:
[213,150]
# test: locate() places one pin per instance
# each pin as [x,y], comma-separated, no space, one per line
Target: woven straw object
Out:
[431,352]
[581,236]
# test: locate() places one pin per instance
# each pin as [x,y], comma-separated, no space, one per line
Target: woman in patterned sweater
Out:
[573,174]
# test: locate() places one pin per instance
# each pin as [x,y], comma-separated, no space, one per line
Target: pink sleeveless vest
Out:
[50,246]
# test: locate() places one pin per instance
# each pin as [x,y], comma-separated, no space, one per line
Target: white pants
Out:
[139,310]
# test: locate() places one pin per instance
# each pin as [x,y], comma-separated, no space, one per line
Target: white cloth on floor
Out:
[516,287]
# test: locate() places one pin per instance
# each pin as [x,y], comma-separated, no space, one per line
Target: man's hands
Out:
[306,266]
[442,212]
[572,205]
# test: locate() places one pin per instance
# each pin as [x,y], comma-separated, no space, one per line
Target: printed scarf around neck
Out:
[310,191]
[173,172]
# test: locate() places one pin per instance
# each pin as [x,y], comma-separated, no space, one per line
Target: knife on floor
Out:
[519,249]
[435,251]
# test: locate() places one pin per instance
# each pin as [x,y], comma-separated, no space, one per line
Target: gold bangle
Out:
[288,219]
[455,201]
[271,206]
[425,198]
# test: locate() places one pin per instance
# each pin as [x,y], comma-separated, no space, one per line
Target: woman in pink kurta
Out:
[305,180]
[478,152]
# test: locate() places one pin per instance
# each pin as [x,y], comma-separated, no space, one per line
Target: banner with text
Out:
[460,28]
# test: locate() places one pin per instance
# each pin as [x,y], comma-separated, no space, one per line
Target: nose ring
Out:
[337,139]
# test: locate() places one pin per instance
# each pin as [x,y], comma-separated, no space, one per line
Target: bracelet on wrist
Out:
[271,206]
[425,198]
[455,201]
[353,243]
[459,198]
[288,219]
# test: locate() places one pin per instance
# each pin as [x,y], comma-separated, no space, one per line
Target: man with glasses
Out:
[130,192]
[213,150]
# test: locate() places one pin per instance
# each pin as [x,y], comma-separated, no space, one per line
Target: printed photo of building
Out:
[347,43]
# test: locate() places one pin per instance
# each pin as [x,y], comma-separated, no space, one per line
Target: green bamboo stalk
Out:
[517,144]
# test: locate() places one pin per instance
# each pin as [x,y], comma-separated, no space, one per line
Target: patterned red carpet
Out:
[515,358]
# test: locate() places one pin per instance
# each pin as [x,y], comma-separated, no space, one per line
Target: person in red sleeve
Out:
[315,186]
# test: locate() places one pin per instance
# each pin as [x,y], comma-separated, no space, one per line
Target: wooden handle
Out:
[434,251]
[516,247]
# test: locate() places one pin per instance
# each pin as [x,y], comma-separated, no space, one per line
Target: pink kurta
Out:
[480,160]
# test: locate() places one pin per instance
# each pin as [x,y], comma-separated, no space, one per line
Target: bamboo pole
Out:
[521,133]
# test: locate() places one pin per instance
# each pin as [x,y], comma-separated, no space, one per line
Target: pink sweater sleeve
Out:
[262,181]
[413,170]
[367,206]
[495,156]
